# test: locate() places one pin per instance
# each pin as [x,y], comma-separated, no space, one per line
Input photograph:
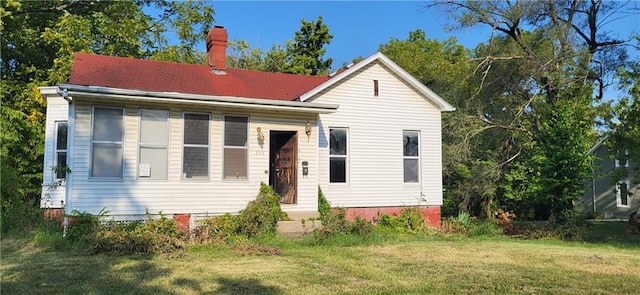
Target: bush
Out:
[411,220]
[217,229]
[336,224]
[258,219]
[153,236]
[83,226]
[19,215]
[324,208]
[160,235]
[262,214]
[550,230]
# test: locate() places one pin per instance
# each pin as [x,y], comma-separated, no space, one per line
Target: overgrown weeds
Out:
[410,220]
[155,235]
[257,220]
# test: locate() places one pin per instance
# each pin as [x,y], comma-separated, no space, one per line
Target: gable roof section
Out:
[157,76]
[395,68]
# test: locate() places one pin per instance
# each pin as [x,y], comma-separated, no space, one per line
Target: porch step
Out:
[296,228]
[303,215]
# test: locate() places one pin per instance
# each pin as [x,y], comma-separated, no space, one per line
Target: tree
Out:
[624,120]
[447,68]
[537,79]
[307,49]
[304,55]
[38,42]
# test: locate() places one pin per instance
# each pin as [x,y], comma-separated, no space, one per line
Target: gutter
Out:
[70,90]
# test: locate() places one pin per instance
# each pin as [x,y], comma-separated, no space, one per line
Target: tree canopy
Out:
[302,55]
[540,78]
[38,40]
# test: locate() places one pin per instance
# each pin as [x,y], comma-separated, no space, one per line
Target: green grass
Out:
[383,264]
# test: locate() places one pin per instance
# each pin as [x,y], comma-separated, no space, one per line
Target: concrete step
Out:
[297,228]
[303,215]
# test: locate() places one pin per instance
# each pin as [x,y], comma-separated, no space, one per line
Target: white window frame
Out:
[113,143]
[619,195]
[208,146]
[345,156]
[626,164]
[142,145]
[418,157]
[225,147]
[57,150]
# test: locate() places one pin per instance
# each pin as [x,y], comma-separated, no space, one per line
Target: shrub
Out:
[324,208]
[160,235]
[336,223]
[218,229]
[411,220]
[460,224]
[82,226]
[258,219]
[262,214]
[550,230]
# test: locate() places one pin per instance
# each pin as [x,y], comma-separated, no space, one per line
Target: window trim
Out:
[347,162]
[56,150]
[418,157]
[626,164]
[153,146]
[225,147]
[619,196]
[92,142]
[183,145]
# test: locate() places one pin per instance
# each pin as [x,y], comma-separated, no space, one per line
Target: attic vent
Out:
[375,87]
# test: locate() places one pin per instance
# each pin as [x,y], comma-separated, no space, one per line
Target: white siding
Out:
[375,161]
[52,195]
[131,196]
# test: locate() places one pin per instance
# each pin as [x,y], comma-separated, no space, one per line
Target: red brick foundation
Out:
[431,213]
[54,214]
[183,221]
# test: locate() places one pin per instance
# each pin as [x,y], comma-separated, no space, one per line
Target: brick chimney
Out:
[216,50]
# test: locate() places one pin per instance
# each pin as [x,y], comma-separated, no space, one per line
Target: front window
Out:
[60,161]
[153,143]
[106,143]
[411,156]
[622,193]
[236,148]
[338,155]
[195,146]
[622,160]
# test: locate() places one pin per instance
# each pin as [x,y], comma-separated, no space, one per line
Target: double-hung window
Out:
[622,161]
[411,156]
[195,146]
[153,144]
[236,148]
[60,160]
[338,155]
[107,142]
[622,193]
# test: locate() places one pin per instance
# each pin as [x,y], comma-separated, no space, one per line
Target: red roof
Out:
[157,76]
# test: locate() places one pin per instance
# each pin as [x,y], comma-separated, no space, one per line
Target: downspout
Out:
[70,143]
[593,186]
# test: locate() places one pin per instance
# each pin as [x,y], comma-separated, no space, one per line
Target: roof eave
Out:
[186,98]
[442,104]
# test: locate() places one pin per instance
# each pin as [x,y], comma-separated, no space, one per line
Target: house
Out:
[606,196]
[195,140]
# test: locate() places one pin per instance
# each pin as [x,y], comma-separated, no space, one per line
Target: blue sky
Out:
[358,27]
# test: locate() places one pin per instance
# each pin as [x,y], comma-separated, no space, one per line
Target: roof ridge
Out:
[190,64]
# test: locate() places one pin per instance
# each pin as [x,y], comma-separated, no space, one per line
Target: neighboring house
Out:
[607,197]
[194,140]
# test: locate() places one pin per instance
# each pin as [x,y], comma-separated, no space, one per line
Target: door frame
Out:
[277,138]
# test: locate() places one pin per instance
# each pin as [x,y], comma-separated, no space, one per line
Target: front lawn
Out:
[403,264]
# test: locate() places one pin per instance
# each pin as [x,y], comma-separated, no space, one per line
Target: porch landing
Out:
[301,223]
